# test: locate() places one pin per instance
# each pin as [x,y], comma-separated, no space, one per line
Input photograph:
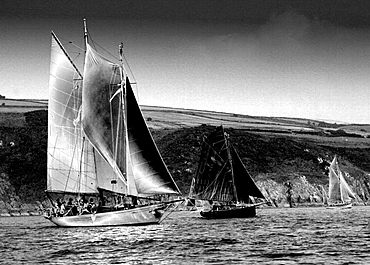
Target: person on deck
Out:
[62,209]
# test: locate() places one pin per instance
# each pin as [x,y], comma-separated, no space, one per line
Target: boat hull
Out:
[340,206]
[145,215]
[239,212]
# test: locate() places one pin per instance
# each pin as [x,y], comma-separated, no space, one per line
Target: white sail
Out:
[339,190]
[347,193]
[334,187]
[73,165]
[69,156]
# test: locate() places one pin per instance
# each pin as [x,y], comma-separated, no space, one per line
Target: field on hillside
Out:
[319,132]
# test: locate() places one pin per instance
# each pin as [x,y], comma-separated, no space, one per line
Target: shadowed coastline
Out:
[287,157]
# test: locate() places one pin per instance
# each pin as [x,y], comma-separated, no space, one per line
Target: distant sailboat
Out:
[101,156]
[340,194]
[223,180]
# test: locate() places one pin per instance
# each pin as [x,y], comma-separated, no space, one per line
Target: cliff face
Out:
[289,168]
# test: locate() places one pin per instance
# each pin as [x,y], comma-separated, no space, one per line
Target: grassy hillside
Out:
[275,150]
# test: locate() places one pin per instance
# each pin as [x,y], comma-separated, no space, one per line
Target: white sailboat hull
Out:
[340,206]
[137,216]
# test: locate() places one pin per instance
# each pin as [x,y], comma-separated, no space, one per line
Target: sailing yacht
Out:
[223,181]
[101,156]
[340,194]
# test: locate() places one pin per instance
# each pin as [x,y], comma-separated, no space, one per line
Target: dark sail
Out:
[213,179]
[244,183]
[221,175]
[150,173]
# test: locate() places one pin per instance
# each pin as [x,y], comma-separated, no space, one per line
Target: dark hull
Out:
[239,212]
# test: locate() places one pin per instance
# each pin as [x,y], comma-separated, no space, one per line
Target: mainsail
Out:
[221,175]
[87,147]
[339,190]
[102,111]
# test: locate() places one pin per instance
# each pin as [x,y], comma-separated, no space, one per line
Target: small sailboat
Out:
[223,180]
[340,194]
[102,159]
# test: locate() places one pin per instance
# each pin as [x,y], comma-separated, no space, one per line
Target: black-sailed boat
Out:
[223,181]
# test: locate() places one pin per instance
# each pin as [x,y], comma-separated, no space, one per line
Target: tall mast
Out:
[124,107]
[228,146]
[85,34]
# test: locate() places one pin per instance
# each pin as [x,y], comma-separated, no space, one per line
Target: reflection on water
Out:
[276,236]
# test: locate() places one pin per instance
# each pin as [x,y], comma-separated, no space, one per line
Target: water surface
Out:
[276,236]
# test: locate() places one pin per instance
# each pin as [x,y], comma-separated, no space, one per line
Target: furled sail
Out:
[70,157]
[221,174]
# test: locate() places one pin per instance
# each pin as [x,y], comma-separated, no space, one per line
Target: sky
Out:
[301,59]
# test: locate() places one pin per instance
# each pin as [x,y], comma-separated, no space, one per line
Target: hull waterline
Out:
[145,215]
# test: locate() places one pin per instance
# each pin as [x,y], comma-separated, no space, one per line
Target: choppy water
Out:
[276,236]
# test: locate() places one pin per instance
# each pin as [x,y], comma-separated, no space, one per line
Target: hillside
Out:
[276,151]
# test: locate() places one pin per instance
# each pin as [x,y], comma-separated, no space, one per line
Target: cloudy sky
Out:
[305,59]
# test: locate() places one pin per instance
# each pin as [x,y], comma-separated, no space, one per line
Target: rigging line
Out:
[81,158]
[75,58]
[65,53]
[92,42]
[114,140]
[111,121]
[160,221]
[78,47]
[65,41]
[87,187]
[70,167]
[215,151]
[218,175]
[123,55]
[95,168]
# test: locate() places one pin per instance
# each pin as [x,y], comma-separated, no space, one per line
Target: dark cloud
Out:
[347,13]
